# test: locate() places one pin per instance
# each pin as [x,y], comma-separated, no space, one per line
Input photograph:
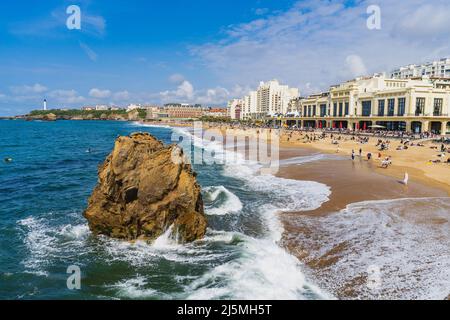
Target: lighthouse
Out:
[45,104]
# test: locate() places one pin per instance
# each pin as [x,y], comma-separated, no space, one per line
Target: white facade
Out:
[132,107]
[250,105]
[234,109]
[269,99]
[440,68]
[274,98]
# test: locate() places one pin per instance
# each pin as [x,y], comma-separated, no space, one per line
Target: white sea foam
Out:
[135,288]
[46,243]
[264,270]
[407,239]
[308,159]
[220,201]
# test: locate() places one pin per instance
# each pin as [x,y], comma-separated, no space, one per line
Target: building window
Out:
[309,111]
[420,106]
[437,110]
[314,111]
[391,107]
[335,109]
[323,110]
[401,106]
[340,109]
[305,113]
[366,108]
[346,109]
[381,108]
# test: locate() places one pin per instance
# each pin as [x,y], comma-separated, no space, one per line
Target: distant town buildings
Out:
[270,98]
[215,112]
[439,68]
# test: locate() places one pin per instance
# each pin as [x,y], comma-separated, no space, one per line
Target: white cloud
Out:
[28,89]
[66,96]
[99,94]
[92,55]
[122,95]
[184,92]
[261,11]
[325,42]
[356,65]
[176,78]
[52,25]
[426,20]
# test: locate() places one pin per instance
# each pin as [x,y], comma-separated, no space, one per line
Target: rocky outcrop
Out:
[144,189]
[49,117]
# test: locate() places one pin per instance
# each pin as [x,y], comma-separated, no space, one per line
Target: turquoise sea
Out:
[44,191]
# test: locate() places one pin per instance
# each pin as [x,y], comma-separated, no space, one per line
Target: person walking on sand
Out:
[353,155]
[360,152]
[406,178]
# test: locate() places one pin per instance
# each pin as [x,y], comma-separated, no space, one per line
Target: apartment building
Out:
[269,99]
[439,68]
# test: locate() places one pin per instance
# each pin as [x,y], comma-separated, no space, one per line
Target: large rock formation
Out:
[144,189]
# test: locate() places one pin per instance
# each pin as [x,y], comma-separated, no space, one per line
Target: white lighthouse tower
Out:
[45,104]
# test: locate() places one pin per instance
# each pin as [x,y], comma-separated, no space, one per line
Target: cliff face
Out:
[142,192]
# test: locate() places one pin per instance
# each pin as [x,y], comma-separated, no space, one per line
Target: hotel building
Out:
[183,111]
[270,98]
[413,105]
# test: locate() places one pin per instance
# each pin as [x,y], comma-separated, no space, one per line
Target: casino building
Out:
[420,104]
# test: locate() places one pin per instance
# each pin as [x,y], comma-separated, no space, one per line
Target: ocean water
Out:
[44,191]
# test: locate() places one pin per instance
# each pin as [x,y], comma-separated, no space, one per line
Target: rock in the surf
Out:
[144,189]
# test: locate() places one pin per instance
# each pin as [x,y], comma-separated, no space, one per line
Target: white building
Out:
[250,108]
[234,109]
[132,107]
[101,107]
[269,99]
[439,69]
[273,98]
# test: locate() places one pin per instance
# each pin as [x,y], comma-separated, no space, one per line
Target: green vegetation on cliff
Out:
[89,114]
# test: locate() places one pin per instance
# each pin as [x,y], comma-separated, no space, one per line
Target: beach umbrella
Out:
[365,126]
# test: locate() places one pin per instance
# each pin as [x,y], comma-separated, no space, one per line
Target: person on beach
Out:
[360,152]
[406,179]
[353,155]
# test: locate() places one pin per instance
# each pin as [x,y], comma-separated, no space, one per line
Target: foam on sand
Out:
[407,241]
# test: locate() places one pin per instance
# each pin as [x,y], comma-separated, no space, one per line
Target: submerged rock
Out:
[144,189]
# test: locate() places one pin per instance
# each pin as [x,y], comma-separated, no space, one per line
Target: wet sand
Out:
[306,235]
[351,181]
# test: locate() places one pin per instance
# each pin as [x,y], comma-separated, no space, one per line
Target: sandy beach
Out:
[350,230]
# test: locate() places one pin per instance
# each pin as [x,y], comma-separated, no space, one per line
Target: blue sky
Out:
[202,51]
